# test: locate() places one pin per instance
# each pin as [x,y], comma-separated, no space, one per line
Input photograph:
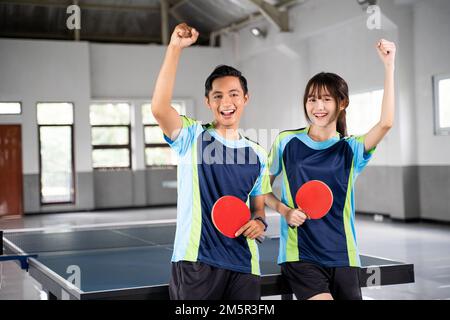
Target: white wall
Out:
[277,69]
[274,69]
[405,72]
[349,51]
[129,72]
[432,48]
[125,71]
[329,35]
[79,72]
[326,36]
[46,71]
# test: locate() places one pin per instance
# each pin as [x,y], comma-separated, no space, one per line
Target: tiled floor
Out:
[425,245]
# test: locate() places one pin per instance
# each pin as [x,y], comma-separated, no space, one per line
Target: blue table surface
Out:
[124,257]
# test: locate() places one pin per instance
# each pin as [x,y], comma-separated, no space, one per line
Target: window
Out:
[111,135]
[364,111]
[10,108]
[55,125]
[441,86]
[157,151]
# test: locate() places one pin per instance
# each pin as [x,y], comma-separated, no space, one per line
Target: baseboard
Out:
[102,209]
[403,220]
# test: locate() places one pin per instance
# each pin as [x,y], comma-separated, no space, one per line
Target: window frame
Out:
[155,145]
[186,103]
[114,146]
[438,130]
[73,189]
[359,92]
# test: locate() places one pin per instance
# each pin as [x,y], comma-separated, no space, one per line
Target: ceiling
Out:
[133,21]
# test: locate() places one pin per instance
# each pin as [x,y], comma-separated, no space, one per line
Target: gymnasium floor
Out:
[426,245]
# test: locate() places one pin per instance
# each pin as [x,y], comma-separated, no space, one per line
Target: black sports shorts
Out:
[200,281]
[309,279]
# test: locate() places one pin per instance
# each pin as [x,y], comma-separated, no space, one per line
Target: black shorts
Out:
[309,279]
[200,281]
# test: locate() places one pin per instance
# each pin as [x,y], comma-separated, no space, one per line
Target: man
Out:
[214,161]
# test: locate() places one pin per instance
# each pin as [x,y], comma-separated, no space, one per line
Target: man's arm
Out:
[167,117]
[254,228]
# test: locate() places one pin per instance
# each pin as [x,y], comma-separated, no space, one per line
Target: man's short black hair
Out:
[225,71]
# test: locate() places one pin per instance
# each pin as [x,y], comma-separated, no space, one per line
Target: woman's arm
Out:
[386,50]
[294,217]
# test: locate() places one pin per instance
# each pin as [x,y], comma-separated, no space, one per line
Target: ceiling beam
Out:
[203,13]
[174,4]
[164,21]
[120,39]
[282,5]
[83,37]
[89,5]
[76,32]
[277,17]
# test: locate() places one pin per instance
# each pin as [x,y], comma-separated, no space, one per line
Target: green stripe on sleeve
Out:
[187,122]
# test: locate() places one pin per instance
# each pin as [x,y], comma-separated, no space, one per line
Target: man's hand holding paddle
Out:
[231,216]
[253,229]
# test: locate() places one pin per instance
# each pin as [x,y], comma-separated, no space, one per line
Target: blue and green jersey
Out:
[330,241]
[210,167]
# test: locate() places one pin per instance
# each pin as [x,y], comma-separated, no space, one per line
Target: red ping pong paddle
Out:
[314,198]
[229,214]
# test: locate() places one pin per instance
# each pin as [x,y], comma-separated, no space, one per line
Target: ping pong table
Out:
[133,262]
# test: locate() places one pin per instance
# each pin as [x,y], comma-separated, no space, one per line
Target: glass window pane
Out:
[363,111]
[109,136]
[153,135]
[10,108]
[56,164]
[444,103]
[160,156]
[55,113]
[102,158]
[180,106]
[147,115]
[110,113]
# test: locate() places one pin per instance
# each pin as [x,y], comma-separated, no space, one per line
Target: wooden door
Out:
[10,170]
